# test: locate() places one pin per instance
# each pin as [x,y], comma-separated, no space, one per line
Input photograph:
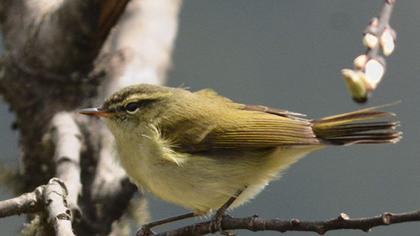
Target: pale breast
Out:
[201,182]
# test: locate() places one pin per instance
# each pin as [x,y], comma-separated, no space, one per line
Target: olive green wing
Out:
[236,126]
[212,95]
[256,130]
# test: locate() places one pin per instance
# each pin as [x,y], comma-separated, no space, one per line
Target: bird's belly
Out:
[204,183]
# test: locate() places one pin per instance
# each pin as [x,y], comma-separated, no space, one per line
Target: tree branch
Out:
[52,198]
[130,57]
[369,68]
[50,49]
[110,12]
[25,203]
[67,138]
[55,200]
[255,223]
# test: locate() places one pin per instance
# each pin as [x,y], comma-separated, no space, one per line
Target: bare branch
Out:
[25,203]
[43,34]
[109,175]
[256,223]
[129,57]
[50,47]
[110,12]
[67,139]
[369,68]
[59,215]
[52,198]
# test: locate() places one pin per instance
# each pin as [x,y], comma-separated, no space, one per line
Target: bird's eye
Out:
[132,107]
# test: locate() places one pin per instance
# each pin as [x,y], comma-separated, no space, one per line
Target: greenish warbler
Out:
[197,149]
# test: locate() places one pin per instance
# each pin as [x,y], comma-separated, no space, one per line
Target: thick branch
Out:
[129,57]
[67,139]
[43,34]
[50,47]
[59,215]
[110,12]
[256,223]
[52,198]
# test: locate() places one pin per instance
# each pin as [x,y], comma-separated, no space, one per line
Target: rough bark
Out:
[61,56]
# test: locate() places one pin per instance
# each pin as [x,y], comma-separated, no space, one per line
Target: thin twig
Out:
[369,68]
[382,24]
[256,223]
[25,203]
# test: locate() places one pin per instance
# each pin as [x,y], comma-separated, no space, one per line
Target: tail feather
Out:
[362,126]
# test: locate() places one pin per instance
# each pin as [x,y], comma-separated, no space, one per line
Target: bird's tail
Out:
[362,126]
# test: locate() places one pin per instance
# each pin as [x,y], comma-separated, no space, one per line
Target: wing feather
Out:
[238,127]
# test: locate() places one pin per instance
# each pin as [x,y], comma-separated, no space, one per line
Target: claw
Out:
[145,230]
[216,224]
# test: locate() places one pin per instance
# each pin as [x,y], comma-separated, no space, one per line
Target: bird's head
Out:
[133,106]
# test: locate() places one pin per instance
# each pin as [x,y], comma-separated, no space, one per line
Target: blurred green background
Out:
[288,54]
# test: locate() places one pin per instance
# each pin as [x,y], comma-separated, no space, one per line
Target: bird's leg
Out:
[216,222]
[215,226]
[146,229]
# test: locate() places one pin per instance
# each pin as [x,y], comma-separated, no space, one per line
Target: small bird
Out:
[199,149]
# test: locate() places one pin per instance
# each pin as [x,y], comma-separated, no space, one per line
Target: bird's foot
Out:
[145,230]
[216,225]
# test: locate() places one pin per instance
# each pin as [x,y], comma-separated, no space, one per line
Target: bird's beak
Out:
[95,112]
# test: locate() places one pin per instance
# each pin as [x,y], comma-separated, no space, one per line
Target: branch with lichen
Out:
[255,223]
[369,68]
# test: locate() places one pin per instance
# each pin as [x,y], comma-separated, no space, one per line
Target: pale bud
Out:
[355,81]
[370,40]
[387,41]
[360,61]
[374,22]
[344,216]
[374,71]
